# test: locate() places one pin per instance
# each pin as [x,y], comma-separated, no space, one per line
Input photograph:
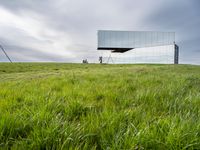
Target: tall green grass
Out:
[78,106]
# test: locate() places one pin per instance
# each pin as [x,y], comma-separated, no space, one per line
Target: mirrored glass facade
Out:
[151,55]
[133,39]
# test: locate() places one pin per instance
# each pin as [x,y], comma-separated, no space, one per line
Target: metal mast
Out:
[5,53]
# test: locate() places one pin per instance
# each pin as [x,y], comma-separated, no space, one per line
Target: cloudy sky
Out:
[66,30]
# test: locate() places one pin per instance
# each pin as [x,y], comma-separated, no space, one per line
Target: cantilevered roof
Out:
[122,41]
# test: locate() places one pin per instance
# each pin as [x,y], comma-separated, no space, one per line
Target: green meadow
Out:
[93,106]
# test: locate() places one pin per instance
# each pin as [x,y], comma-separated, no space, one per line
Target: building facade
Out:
[124,41]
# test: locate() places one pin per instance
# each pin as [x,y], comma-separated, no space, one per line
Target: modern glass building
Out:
[122,42]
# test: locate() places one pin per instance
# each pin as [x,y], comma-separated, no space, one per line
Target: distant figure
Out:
[100,59]
[85,61]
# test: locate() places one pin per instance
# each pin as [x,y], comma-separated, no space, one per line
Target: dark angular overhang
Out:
[115,50]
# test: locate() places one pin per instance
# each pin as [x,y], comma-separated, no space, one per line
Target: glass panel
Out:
[134,39]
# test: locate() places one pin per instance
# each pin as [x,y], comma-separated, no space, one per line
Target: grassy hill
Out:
[78,106]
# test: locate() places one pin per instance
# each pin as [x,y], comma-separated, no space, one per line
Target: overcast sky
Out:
[66,30]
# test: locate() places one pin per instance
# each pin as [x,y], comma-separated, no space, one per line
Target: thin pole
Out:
[5,53]
[108,59]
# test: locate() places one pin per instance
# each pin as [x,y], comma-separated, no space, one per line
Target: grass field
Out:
[78,106]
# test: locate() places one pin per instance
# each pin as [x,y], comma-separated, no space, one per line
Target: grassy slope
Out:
[68,106]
